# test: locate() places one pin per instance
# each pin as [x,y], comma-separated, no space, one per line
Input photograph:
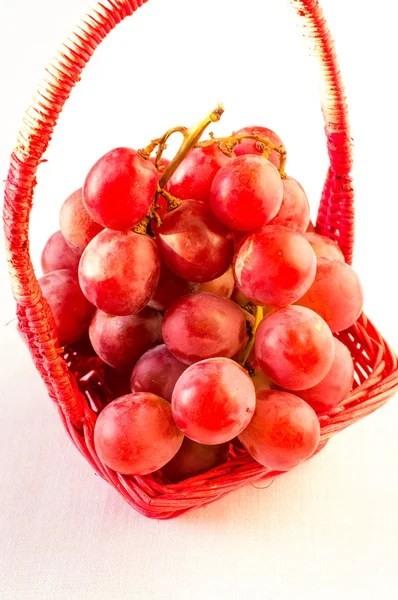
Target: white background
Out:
[328,529]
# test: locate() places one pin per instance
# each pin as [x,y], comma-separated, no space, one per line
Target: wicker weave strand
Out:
[376,364]
[336,211]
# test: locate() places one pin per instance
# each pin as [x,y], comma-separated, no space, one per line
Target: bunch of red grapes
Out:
[210,300]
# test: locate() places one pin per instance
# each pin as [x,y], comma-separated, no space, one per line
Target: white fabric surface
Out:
[328,529]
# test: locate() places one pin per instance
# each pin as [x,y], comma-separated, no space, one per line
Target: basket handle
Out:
[335,217]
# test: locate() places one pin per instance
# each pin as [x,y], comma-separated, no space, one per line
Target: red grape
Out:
[157,371]
[247,193]
[169,288]
[194,459]
[119,271]
[120,188]
[222,286]
[76,225]
[324,246]
[336,294]
[283,432]
[334,388]
[274,266]
[120,341]
[200,326]
[57,254]
[213,401]
[194,244]
[193,178]
[252,147]
[294,347]
[72,311]
[136,434]
[295,209]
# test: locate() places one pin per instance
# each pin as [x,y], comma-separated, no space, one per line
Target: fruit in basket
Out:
[119,271]
[157,371]
[136,434]
[57,254]
[246,193]
[274,266]
[213,401]
[194,244]
[77,227]
[324,246]
[333,388]
[202,326]
[194,459]
[251,146]
[283,432]
[72,311]
[222,286]
[294,347]
[121,341]
[119,189]
[193,178]
[336,294]
[170,287]
[294,211]
[215,294]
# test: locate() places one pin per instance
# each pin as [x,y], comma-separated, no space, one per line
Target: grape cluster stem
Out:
[259,313]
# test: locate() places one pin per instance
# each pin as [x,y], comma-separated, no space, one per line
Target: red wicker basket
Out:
[73,381]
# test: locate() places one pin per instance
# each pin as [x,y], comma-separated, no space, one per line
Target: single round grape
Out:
[336,294]
[194,244]
[72,311]
[136,435]
[334,388]
[120,188]
[274,266]
[222,286]
[248,146]
[193,178]
[157,371]
[324,246]
[170,287]
[57,254]
[194,459]
[294,347]
[295,209]
[200,326]
[121,341]
[119,271]
[283,432]
[77,227]
[213,401]
[247,193]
